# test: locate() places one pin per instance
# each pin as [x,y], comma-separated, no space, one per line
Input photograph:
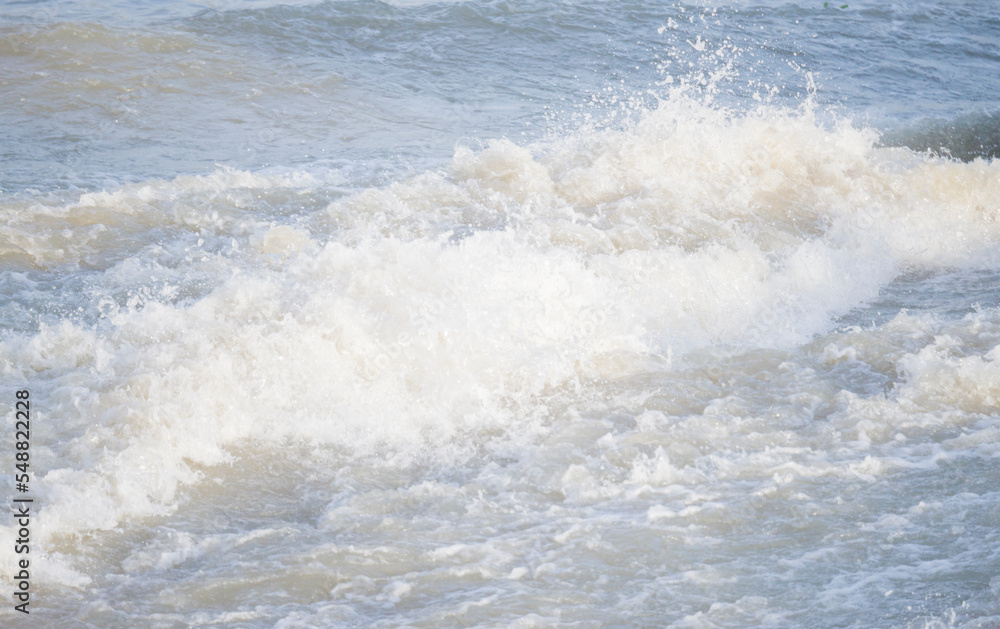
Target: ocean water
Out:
[503,314]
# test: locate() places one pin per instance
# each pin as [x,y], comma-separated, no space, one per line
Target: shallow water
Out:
[492,314]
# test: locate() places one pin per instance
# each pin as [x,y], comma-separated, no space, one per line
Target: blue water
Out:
[496,314]
[96,95]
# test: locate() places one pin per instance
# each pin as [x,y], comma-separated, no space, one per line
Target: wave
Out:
[462,306]
[966,138]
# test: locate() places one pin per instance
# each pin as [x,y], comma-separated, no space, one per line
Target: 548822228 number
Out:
[22,440]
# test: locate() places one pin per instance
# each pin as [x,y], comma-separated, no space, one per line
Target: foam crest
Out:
[460,308]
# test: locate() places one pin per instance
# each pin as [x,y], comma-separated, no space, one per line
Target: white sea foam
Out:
[454,301]
[638,317]
[99,226]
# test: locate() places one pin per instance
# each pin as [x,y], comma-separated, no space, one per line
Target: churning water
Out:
[503,314]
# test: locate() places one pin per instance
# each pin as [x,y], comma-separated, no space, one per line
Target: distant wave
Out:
[966,137]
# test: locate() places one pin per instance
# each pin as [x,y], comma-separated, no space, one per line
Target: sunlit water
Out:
[497,314]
